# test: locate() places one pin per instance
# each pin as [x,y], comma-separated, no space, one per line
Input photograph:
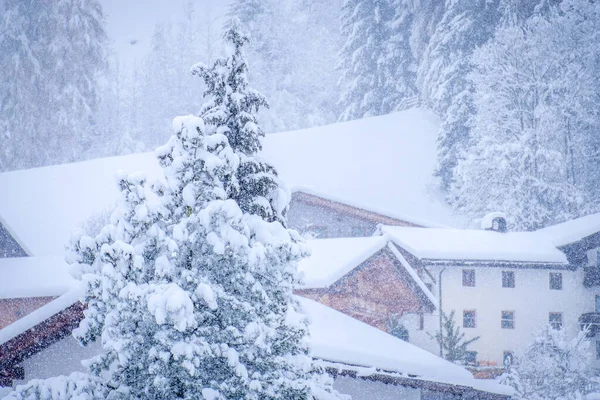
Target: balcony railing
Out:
[590,321]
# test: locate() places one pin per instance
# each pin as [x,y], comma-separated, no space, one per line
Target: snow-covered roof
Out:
[331,259]
[476,245]
[34,277]
[43,206]
[571,231]
[382,164]
[337,337]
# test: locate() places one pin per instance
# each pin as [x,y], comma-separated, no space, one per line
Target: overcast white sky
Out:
[134,20]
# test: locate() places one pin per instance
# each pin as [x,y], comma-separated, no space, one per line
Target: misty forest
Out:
[300,199]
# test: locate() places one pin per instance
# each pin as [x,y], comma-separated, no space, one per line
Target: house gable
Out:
[375,291]
[9,247]
[323,218]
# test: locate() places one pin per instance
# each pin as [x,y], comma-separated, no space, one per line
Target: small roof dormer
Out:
[495,221]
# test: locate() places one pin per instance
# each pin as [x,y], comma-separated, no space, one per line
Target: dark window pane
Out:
[556,320]
[470,357]
[508,279]
[555,281]
[469,319]
[468,277]
[508,320]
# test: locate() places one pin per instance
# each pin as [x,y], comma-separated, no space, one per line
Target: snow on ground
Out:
[34,277]
[467,244]
[383,164]
[331,259]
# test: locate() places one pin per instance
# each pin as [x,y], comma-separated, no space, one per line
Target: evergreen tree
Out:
[233,108]
[401,80]
[51,54]
[364,62]
[520,158]
[293,54]
[553,367]
[190,294]
[454,344]
[442,74]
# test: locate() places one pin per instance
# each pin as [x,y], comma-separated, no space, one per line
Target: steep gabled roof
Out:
[382,164]
[333,259]
[461,245]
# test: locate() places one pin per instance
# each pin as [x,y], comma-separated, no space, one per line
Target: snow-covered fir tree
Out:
[522,156]
[364,61]
[555,366]
[191,295]
[51,54]
[233,107]
[401,80]
[293,52]
[442,74]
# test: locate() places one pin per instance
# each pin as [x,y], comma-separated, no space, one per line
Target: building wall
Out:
[373,293]
[13,309]
[531,299]
[60,358]
[316,217]
[361,389]
[9,246]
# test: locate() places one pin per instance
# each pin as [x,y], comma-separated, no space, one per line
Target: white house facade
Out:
[504,288]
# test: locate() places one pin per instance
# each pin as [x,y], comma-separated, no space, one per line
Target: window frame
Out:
[470,358]
[468,277]
[506,282]
[474,319]
[558,280]
[508,354]
[504,319]
[552,323]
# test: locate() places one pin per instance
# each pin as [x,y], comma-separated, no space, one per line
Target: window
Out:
[508,279]
[507,358]
[555,281]
[469,319]
[468,277]
[508,320]
[471,358]
[555,319]
[598,350]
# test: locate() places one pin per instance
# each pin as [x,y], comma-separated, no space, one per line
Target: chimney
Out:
[495,221]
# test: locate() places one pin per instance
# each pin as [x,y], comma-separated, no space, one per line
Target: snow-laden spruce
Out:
[189,293]
[555,366]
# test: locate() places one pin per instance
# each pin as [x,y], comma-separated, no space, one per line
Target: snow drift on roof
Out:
[337,337]
[469,244]
[331,259]
[571,231]
[34,277]
[384,164]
